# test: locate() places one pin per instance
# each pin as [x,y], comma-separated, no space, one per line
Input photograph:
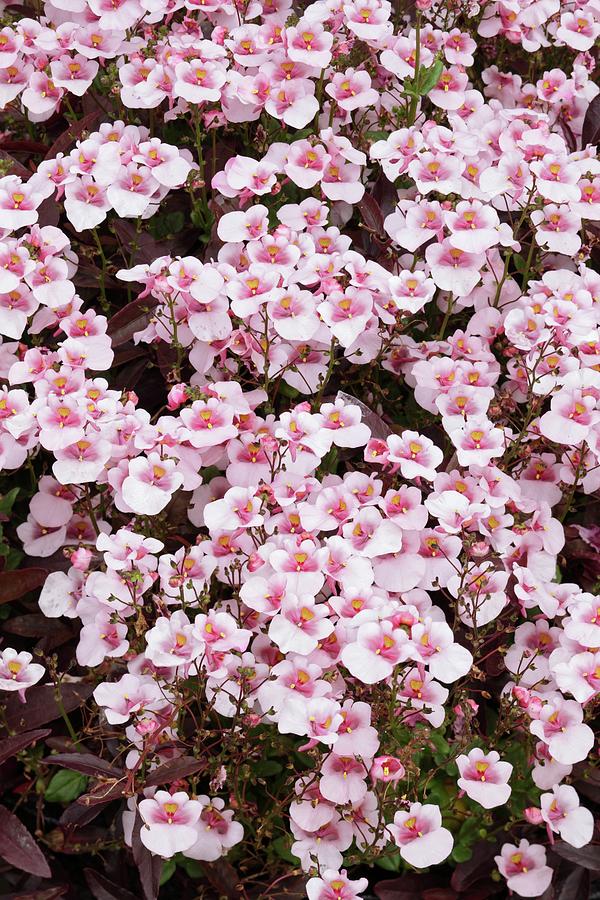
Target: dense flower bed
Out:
[300,438]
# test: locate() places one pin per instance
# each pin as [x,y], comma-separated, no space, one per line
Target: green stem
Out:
[440,336]
[412,112]
[103,301]
[65,715]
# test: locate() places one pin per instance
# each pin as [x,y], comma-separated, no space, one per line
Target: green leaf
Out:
[391,862]
[439,742]
[65,786]
[462,853]
[430,78]
[168,868]
[6,502]
[267,767]
[377,135]
[13,558]
[519,262]
[288,391]
[280,846]
[192,867]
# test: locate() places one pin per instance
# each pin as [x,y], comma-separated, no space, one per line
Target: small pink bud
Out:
[176,396]
[480,548]
[533,815]
[386,769]
[255,562]
[147,726]
[80,559]
[521,695]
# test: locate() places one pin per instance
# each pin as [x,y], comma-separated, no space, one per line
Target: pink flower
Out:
[416,456]
[477,441]
[419,834]
[326,844]
[368,19]
[524,868]
[318,718]
[300,625]
[335,885]
[308,42]
[557,229]
[130,193]
[571,415]
[564,816]
[378,648]
[343,779]
[484,777]
[453,269]
[449,92]
[169,822]
[217,833]
[434,646]
[100,638]
[556,178]
[150,483]
[250,224]
[74,73]
[86,203]
[199,81]
[386,769]
[128,696]
[17,672]
[174,641]
[578,29]
[560,725]
[351,90]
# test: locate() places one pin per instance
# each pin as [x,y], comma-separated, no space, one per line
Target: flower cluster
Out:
[367,596]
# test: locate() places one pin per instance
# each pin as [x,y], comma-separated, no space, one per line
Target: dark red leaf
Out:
[37,625]
[73,840]
[77,815]
[569,136]
[15,584]
[88,276]
[576,886]
[131,318]
[52,893]
[103,889]
[104,792]
[371,214]
[13,745]
[379,428]
[127,378]
[41,706]
[86,763]
[19,848]
[73,133]
[293,887]
[224,879]
[129,354]
[483,891]
[407,887]
[173,770]
[590,133]
[588,857]
[138,247]
[589,788]
[480,864]
[440,894]
[48,212]
[58,562]
[16,168]
[23,146]
[149,866]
